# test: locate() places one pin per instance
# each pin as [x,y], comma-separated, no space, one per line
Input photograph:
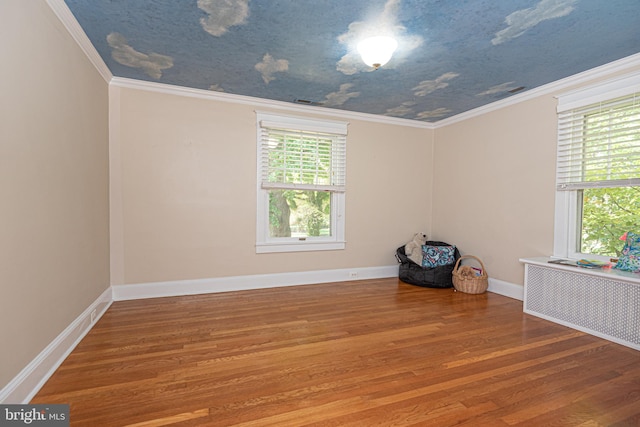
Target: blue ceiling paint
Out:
[453,56]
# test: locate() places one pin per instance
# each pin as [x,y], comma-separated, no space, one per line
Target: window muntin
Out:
[301,183]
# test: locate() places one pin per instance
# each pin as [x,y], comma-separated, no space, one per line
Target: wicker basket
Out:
[476,285]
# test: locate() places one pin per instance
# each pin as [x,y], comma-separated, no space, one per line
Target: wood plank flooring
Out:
[359,353]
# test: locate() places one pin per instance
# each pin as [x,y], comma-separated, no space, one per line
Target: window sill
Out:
[266,248]
[608,273]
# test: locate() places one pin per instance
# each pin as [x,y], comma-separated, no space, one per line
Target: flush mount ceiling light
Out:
[377,51]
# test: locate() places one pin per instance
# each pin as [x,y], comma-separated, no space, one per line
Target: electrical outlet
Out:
[93,315]
[353,275]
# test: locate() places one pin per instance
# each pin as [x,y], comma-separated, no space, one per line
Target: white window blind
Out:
[302,159]
[599,144]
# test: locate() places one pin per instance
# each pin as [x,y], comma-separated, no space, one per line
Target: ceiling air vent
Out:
[306,102]
[517,89]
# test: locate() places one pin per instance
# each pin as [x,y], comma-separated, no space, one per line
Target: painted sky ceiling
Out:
[453,55]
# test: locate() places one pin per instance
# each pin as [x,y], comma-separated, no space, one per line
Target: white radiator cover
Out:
[603,304]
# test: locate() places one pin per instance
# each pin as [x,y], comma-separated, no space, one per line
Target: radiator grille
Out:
[606,307]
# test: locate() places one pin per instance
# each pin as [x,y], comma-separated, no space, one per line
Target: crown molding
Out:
[264,103]
[62,11]
[603,71]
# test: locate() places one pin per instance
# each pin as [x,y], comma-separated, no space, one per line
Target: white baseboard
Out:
[240,283]
[262,281]
[507,289]
[28,382]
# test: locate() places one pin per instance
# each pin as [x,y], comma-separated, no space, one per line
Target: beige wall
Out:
[54,247]
[188,173]
[188,176]
[494,185]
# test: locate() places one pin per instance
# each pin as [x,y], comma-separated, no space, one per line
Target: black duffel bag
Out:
[414,274]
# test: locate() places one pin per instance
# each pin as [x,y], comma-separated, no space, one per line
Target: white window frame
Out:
[267,244]
[566,221]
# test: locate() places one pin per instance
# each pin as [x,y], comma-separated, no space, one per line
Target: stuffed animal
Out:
[413,249]
[467,272]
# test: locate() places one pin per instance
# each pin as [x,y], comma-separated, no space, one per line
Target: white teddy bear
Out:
[413,249]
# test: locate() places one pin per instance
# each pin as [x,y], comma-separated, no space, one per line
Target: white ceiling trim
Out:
[603,71]
[65,16]
[264,103]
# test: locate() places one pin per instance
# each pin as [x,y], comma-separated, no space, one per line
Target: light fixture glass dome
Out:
[377,51]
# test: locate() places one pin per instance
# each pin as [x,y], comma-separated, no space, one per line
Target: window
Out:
[598,169]
[301,184]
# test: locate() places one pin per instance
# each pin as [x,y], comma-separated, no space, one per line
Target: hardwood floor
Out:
[360,353]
